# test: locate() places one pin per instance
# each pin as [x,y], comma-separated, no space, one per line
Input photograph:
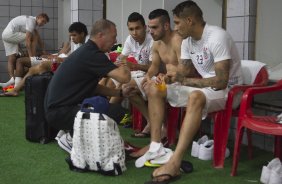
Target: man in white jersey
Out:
[22,29]
[138,45]
[212,52]
[78,34]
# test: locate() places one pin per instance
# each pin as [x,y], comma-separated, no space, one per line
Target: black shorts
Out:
[62,118]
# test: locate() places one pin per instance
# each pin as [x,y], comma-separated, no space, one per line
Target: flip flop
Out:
[169,179]
[186,166]
[141,135]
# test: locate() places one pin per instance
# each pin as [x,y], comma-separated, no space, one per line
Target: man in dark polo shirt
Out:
[78,76]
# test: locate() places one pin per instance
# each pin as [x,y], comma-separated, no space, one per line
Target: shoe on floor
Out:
[163,159]
[275,176]
[156,150]
[196,145]
[206,150]
[126,120]
[60,133]
[65,142]
[275,166]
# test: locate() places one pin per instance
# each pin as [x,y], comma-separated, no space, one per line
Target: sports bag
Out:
[97,144]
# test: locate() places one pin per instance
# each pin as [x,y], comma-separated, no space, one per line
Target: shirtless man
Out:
[211,51]
[166,49]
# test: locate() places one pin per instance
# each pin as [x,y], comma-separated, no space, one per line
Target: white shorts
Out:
[137,76]
[177,96]
[11,41]
[36,60]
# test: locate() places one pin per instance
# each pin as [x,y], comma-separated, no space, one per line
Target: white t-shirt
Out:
[142,53]
[76,46]
[214,46]
[22,24]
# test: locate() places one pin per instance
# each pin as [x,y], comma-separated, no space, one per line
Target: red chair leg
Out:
[236,153]
[137,120]
[278,147]
[172,124]
[221,128]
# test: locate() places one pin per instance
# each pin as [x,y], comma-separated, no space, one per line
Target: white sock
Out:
[10,82]
[17,81]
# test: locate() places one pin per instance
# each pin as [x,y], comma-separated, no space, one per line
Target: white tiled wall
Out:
[86,11]
[241,24]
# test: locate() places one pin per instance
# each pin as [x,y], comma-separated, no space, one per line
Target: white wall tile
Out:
[15,2]
[235,8]
[4,22]
[25,10]
[4,11]
[246,7]
[74,16]
[36,10]
[48,34]
[85,5]
[4,2]
[97,15]
[15,11]
[85,16]
[98,5]
[36,2]
[235,26]
[49,25]
[55,15]
[25,2]
[240,47]
[48,3]
[49,12]
[74,4]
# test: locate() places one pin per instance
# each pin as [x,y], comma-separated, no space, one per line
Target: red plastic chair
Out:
[222,118]
[262,124]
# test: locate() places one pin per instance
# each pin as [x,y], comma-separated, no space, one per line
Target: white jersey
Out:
[142,53]
[214,46]
[76,46]
[22,24]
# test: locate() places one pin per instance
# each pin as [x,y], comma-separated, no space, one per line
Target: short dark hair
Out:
[163,14]
[134,17]
[188,8]
[101,26]
[78,27]
[44,15]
